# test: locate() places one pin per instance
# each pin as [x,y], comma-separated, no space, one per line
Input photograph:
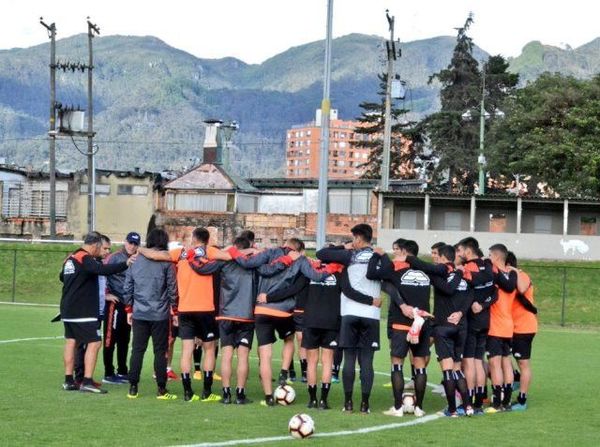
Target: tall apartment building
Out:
[303,146]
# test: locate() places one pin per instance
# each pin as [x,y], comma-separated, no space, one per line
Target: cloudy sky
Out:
[254,30]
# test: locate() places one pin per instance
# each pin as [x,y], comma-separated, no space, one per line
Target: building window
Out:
[349,201]
[407,220]
[542,224]
[588,226]
[308,151]
[197,202]
[101,189]
[452,221]
[132,190]
[308,133]
[365,155]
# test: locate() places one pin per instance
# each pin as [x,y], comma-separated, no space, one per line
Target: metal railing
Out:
[564,294]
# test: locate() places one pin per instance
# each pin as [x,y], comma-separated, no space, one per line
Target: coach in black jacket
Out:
[80,308]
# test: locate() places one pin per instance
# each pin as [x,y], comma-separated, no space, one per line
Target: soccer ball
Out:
[301,426]
[284,395]
[408,402]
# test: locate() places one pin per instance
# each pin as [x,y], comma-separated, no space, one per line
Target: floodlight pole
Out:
[52,134]
[324,151]
[481,160]
[387,129]
[91,171]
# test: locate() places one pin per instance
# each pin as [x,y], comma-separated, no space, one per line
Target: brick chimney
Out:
[212,150]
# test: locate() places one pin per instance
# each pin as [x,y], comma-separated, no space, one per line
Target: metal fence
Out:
[564,294]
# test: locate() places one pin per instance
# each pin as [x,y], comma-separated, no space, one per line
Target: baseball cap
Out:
[134,238]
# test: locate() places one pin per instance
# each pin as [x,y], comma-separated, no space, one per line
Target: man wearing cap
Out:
[116,330]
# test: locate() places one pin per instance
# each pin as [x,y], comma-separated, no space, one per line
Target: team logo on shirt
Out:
[462,286]
[333,343]
[363,257]
[69,268]
[415,278]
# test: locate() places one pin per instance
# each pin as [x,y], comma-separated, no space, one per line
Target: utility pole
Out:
[91,171]
[52,133]
[387,130]
[481,160]
[324,152]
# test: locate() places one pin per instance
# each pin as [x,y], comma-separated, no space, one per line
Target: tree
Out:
[454,140]
[369,135]
[551,137]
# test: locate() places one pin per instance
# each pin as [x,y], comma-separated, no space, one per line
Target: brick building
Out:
[303,146]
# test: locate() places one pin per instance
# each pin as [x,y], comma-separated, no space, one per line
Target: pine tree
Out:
[454,140]
[369,135]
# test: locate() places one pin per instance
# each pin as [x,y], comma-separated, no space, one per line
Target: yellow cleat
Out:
[198,375]
[166,396]
[212,398]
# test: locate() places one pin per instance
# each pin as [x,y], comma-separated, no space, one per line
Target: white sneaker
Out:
[469,411]
[410,385]
[418,412]
[394,412]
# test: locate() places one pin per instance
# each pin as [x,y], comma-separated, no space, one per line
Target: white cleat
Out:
[419,413]
[394,412]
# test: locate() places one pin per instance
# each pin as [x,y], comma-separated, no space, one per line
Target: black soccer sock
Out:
[312,392]
[485,392]
[461,386]
[507,394]
[367,375]
[292,365]
[397,385]
[522,398]
[208,382]
[69,378]
[88,381]
[338,355]
[412,372]
[187,382]
[516,375]
[349,373]
[240,392]
[303,366]
[284,374]
[365,398]
[325,390]
[197,359]
[226,391]
[450,389]
[420,385]
[471,392]
[479,396]
[496,396]
[162,387]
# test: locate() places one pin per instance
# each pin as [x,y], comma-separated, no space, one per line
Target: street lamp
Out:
[483,115]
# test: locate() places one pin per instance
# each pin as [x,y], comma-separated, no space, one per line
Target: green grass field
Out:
[34,411]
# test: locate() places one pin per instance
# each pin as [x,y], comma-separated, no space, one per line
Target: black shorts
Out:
[449,342]
[315,338]
[521,346]
[399,345]
[266,326]
[236,333]
[198,324]
[299,321]
[475,344]
[496,346]
[359,332]
[84,332]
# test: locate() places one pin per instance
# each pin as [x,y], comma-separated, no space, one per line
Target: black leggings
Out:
[365,360]
[142,331]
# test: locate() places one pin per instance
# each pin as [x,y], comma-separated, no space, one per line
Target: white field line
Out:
[29,304]
[364,430]
[18,340]
[374,428]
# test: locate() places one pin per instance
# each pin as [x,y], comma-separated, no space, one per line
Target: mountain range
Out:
[150,99]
